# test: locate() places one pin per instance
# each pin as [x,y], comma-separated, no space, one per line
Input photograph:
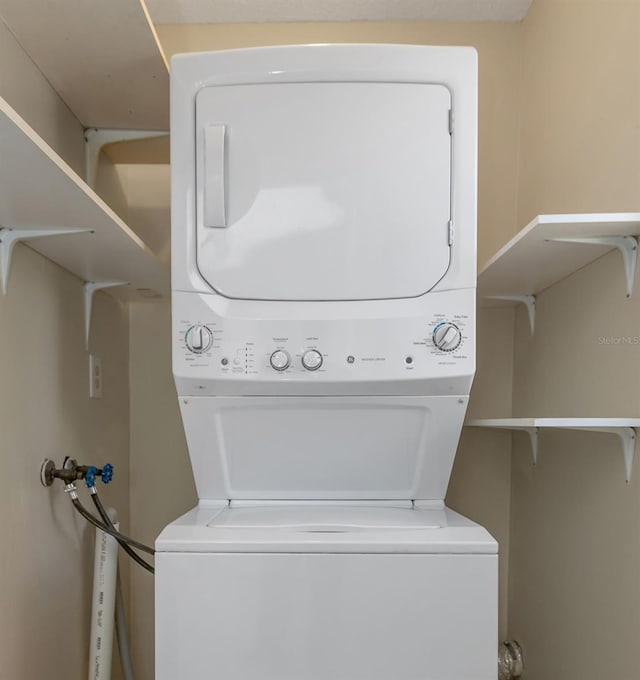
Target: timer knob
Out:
[198,339]
[280,360]
[312,360]
[447,336]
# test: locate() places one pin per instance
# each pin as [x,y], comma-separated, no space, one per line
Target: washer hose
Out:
[107,520]
[73,494]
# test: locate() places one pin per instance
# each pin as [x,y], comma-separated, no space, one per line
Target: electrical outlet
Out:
[95,377]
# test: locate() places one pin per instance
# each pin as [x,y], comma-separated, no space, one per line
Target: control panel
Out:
[431,343]
[205,343]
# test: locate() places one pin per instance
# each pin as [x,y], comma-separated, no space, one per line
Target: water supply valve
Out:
[71,472]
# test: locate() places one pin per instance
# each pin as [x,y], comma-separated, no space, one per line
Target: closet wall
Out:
[45,411]
[574,598]
[29,93]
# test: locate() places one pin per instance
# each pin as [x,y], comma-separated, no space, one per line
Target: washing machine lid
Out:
[323,190]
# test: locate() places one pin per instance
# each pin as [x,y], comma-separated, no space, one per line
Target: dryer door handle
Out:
[214,176]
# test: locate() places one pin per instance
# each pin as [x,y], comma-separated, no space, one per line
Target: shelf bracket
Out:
[627,437]
[528,300]
[627,245]
[9,237]
[533,440]
[96,138]
[90,288]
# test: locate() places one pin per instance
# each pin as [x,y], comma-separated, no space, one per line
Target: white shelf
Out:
[533,261]
[626,429]
[40,192]
[103,58]
[558,423]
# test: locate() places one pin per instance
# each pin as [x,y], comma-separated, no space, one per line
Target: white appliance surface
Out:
[360,211]
[323,235]
[333,164]
[287,602]
[323,301]
[332,518]
[367,347]
[325,527]
[322,447]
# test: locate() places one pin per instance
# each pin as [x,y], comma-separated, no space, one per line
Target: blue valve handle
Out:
[106,473]
[90,476]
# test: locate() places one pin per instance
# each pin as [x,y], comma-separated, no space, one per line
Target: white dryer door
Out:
[323,191]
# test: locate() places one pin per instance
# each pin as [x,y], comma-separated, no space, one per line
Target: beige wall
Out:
[581,107]
[46,559]
[146,190]
[45,411]
[29,93]
[574,600]
[480,485]
[162,486]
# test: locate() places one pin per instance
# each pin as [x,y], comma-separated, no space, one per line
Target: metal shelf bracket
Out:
[96,138]
[90,288]
[528,300]
[627,245]
[9,237]
[627,437]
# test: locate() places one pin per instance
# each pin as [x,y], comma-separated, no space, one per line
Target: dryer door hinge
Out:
[450,121]
[450,232]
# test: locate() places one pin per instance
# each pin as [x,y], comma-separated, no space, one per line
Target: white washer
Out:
[340,592]
[323,276]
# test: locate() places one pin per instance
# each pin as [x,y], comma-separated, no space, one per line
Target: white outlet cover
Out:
[95,377]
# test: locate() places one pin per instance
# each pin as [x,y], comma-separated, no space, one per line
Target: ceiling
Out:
[246,11]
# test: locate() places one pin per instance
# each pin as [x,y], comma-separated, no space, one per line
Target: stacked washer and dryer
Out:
[323,278]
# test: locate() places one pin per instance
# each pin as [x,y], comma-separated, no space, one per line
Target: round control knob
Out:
[447,336]
[198,339]
[280,360]
[312,360]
